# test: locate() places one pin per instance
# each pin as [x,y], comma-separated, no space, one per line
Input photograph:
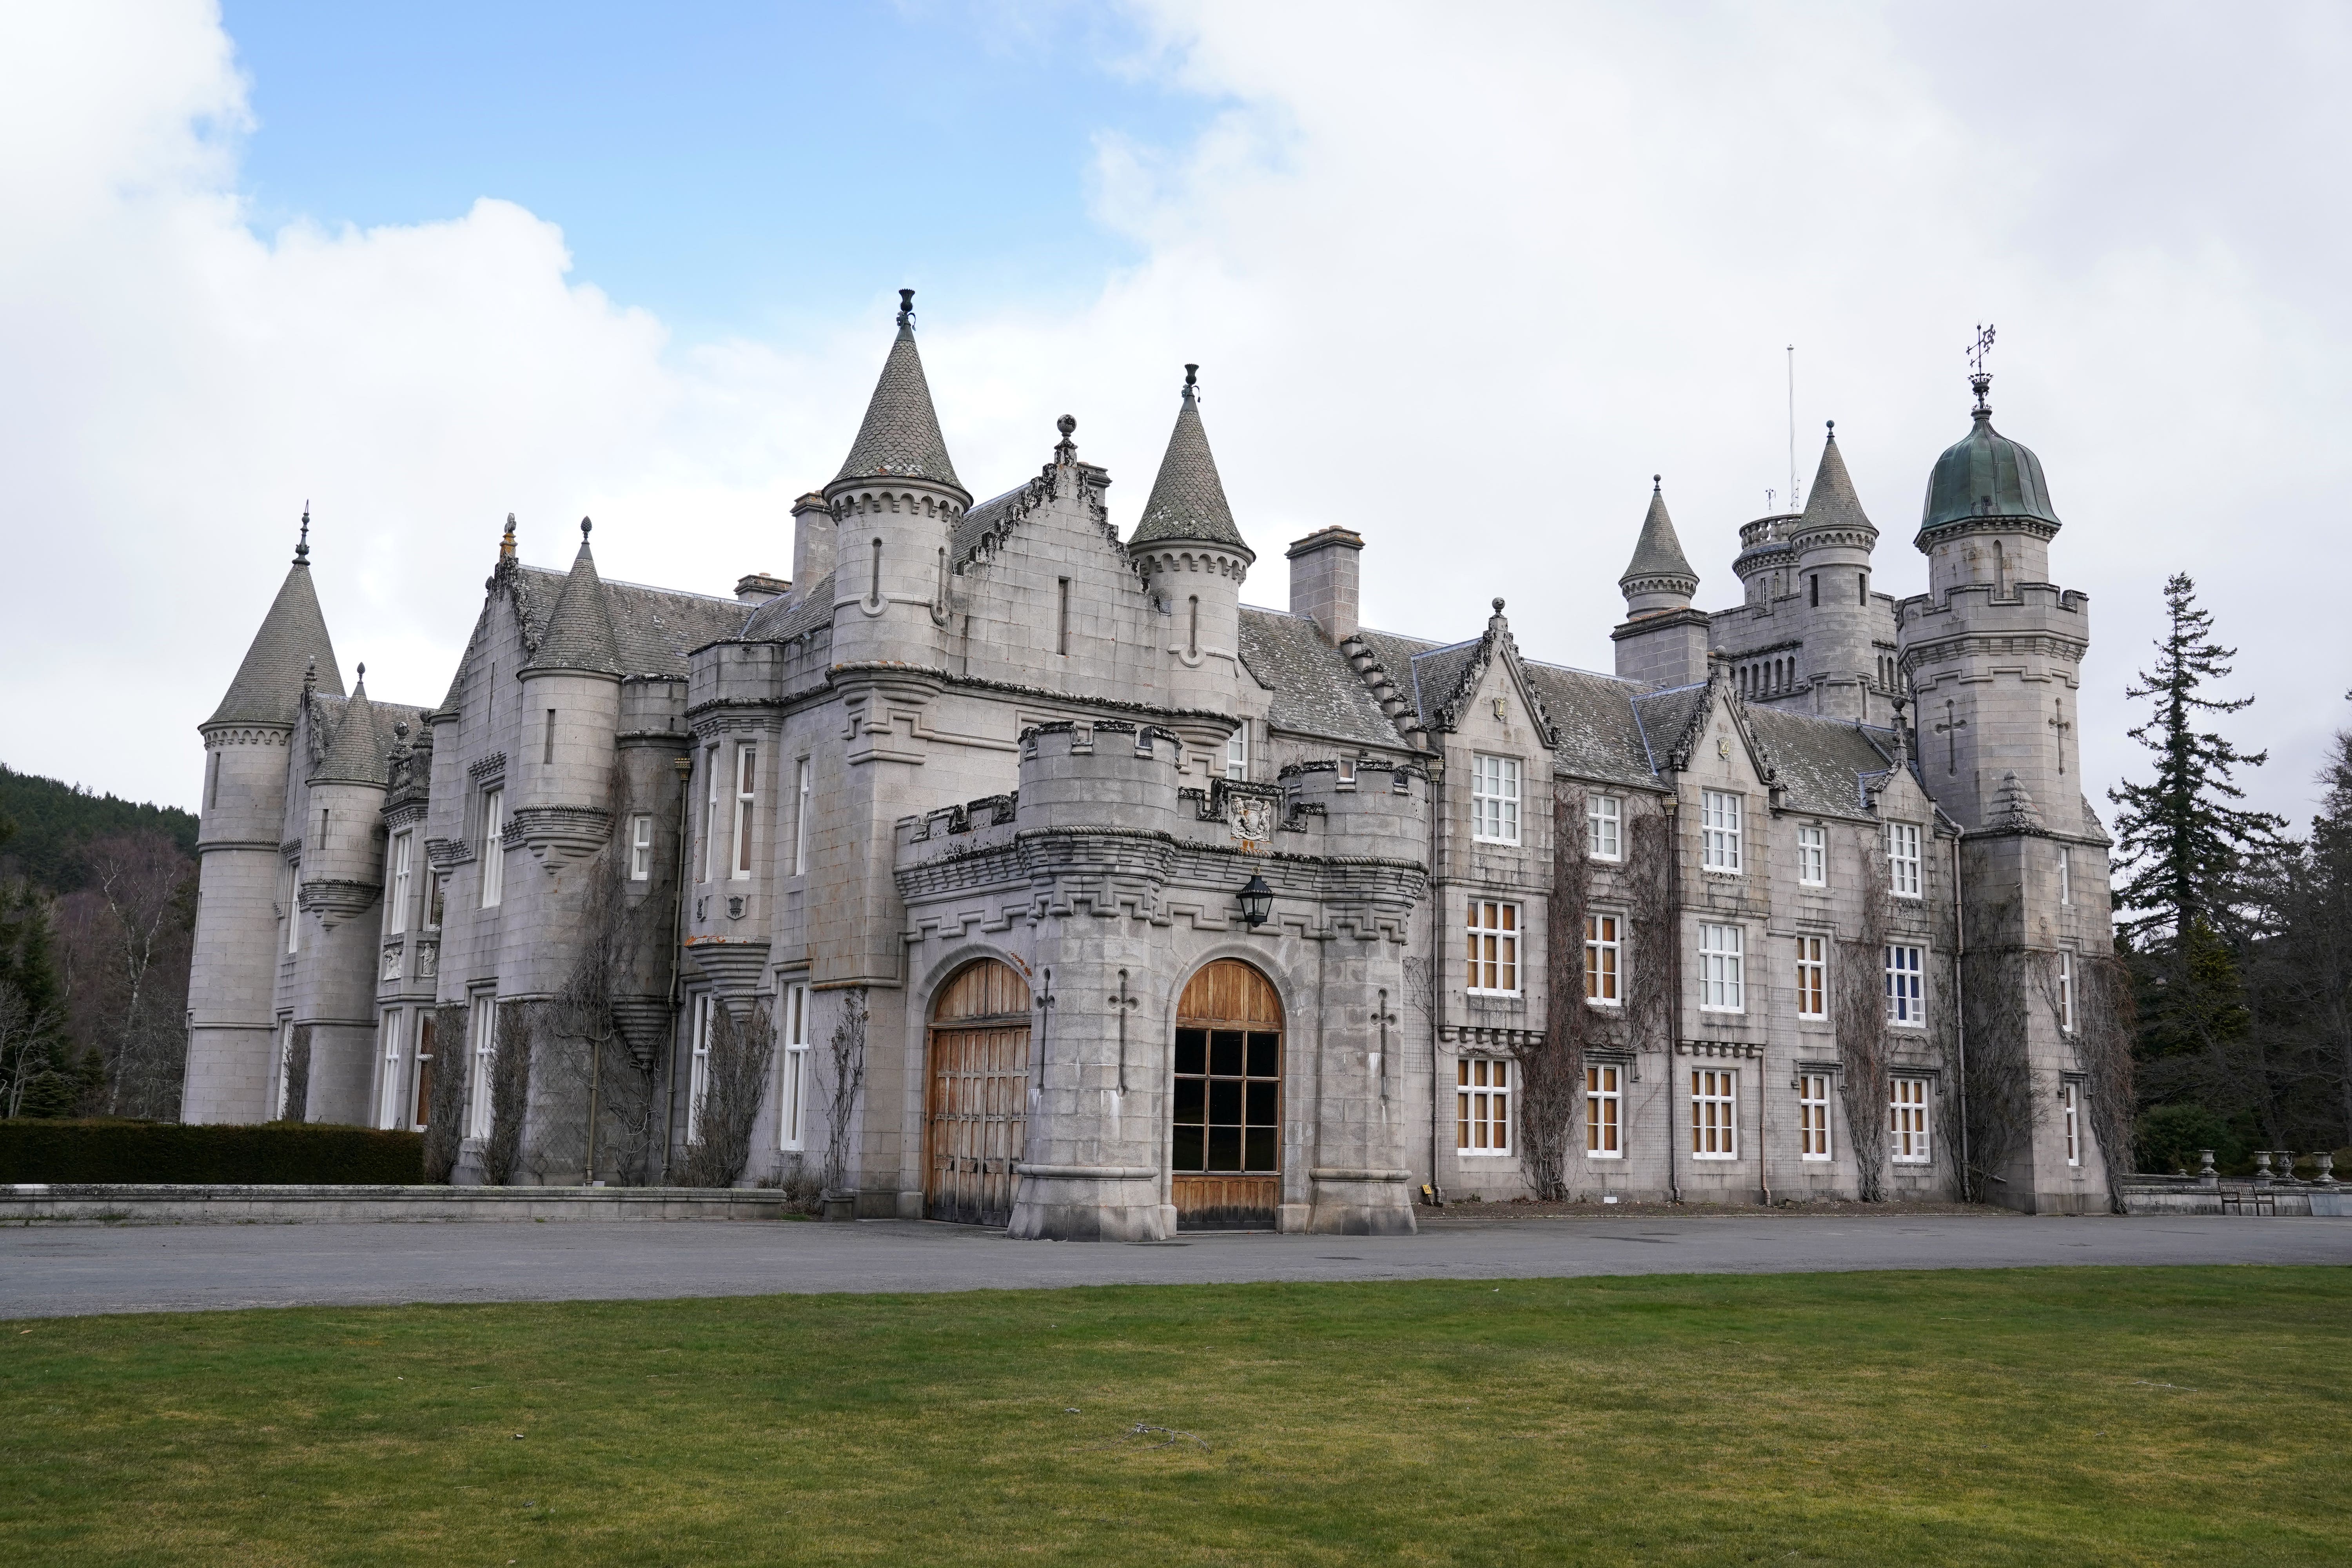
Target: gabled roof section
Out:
[1453,676]
[267,688]
[1188,499]
[1668,720]
[1834,503]
[1315,691]
[653,628]
[357,734]
[900,436]
[578,633]
[1596,736]
[1822,765]
[782,620]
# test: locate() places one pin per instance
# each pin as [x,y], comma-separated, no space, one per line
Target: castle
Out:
[1000,869]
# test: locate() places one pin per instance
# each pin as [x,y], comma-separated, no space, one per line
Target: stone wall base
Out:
[194,1204]
[1124,1206]
[1362,1202]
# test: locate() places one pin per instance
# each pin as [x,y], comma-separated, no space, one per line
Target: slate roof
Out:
[1188,499]
[1823,764]
[1315,691]
[1834,503]
[1659,552]
[267,688]
[653,628]
[579,633]
[1592,716]
[358,734]
[1663,718]
[902,432]
[781,620]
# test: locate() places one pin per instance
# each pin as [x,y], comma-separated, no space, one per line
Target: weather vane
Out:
[1979,377]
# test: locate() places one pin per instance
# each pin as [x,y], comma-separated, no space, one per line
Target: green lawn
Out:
[2083,1415]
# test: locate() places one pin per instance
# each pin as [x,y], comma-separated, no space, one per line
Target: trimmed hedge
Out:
[278,1153]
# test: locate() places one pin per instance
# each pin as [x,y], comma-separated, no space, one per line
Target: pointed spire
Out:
[268,685]
[1659,565]
[1834,503]
[357,753]
[1188,500]
[902,435]
[578,633]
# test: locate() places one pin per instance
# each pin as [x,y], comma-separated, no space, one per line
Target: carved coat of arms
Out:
[1253,821]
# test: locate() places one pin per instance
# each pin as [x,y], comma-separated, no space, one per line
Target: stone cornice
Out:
[1927,538]
[243,734]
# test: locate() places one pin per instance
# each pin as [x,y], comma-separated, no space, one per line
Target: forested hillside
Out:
[56,821]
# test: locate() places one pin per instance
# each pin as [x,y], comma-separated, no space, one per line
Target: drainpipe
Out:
[1959,1008]
[685,766]
[1763,1169]
[1436,962]
[1673,979]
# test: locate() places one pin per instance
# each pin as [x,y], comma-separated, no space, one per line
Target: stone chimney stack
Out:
[1325,568]
[812,530]
[758,588]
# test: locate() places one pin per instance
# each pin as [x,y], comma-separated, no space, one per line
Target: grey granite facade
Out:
[1088,900]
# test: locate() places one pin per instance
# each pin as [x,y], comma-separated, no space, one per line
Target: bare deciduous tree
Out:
[845,1080]
[124,944]
[735,1075]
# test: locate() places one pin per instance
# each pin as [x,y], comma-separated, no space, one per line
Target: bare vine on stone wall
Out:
[845,1080]
[735,1073]
[445,1116]
[2107,1023]
[1655,910]
[1860,1023]
[297,1076]
[1998,1084]
[509,1089]
[1551,1071]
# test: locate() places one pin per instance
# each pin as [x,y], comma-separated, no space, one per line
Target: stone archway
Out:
[978,1094]
[1225,1122]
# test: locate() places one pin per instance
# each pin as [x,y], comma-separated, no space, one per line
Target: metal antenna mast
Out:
[1792,428]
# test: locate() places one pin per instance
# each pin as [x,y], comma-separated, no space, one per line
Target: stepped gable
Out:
[268,688]
[1315,691]
[653,628]
[578,633]
[900,436]
[1188,499]
[782,620]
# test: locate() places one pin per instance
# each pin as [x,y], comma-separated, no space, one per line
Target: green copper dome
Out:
[1986,474]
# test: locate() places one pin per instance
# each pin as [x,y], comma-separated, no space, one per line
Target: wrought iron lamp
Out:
[1257,902]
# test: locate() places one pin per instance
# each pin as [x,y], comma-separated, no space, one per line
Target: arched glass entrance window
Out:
[978,1094]
[1225,1134]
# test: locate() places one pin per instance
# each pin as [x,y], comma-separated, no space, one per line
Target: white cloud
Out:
[1461,278]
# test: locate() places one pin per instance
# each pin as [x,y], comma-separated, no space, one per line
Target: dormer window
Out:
[1903,859]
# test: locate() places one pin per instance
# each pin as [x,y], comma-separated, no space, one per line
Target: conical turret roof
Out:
[356,752]
[1188,500]
[268,685]
[902,435]
[1832,503]
[579,633]
[1659,552]
[1986,474]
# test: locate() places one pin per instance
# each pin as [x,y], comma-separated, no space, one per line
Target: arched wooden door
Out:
[1226,1137]
[979,1109]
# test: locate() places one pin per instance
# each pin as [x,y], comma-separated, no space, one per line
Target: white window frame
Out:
[1491,933]
[494,854]
[395,904]
[1903,859]
[1715,1114]
[641,848]
[2065,874]
[1722,968]
[482,1029]
[710,812]
[1604,1112]
[1494,798]
[2070,1119]
[1604,827]
[1812,977]
[791,1097]
[1813,855]
[388,1096]
[2066,992]
[1720,829]
[801,787]
[418,1056]
[1813,1116]
[291,883]
[697,1075]
[1906,986]
[1237,753]
[1482,1107]
[1604,959]
[285,1064]
[1907,1121]
[436,896]
[746,804]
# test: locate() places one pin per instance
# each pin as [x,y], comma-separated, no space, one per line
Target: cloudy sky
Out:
[1461,277]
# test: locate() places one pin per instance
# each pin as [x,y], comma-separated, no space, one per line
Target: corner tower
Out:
[1193,561]
[1664,641]
[894,504]
[244,886]
[1841,623]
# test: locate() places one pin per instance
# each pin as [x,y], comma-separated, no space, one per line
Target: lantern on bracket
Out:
[1257,902]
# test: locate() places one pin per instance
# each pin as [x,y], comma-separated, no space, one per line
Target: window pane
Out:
[1191,1101]
[1225,1053]
[1264,1055]
[1225,1149]
[1225,1102]
[1261,1149]
[1186,1152]
[1192,1050]
[1262,1099]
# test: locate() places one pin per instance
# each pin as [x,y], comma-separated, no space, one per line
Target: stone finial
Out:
[310,677]
[584,526]
[303,547]
[906,307]
[1066,450]
[507,544]
[1903,738]
[1191,380]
